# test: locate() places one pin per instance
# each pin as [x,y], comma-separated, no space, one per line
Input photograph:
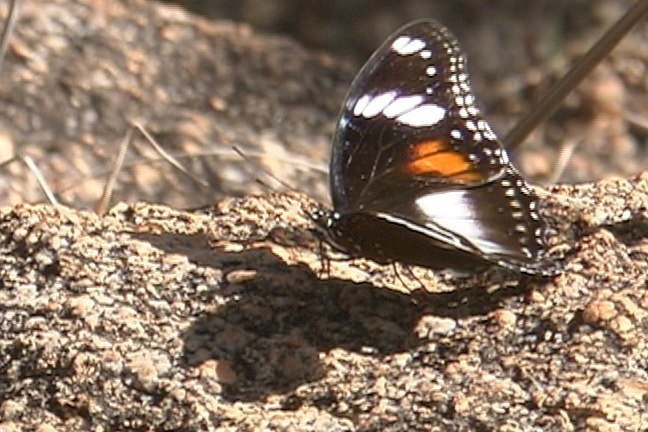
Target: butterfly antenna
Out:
[548,105]
[248,159]
[168,156]
[296,162]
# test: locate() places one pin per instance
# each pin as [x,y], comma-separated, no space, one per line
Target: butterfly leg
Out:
[411,274]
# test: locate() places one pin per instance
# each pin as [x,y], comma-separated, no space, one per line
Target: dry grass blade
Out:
[104,201]
[37,173]
[565,154]
[12,16]
[40,179]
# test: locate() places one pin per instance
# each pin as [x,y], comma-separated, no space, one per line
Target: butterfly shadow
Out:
[270,321]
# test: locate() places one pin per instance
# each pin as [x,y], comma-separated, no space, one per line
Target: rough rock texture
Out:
[155,319]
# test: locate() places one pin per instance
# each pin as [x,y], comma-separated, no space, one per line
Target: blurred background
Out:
[520,33]
[270,76]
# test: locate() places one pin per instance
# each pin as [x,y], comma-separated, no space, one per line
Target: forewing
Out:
[410,119]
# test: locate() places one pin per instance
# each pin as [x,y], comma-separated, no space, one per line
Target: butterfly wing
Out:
[412,155]
[499,222]
[409,117]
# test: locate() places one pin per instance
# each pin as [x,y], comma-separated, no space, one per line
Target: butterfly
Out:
[417,176]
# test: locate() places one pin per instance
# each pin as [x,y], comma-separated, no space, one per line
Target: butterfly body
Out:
[417,175]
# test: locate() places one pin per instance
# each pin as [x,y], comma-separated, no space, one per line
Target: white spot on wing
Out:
[360,105]
[503,156]
[400,43]
[422,115]
[406,46]
[377,104]
[402,104]
[455,212]
[414,46]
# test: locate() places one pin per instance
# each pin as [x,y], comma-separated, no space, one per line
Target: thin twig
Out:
[12,16]
[546,106]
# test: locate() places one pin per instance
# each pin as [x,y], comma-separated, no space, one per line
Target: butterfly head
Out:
[325,223]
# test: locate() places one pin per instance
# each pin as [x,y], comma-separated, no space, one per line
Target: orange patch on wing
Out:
[435,158]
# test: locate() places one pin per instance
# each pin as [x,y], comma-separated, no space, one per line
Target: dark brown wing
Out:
[410,117]
[498,221]
[412,155]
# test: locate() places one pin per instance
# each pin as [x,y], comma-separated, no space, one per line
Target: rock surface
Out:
[152,318]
